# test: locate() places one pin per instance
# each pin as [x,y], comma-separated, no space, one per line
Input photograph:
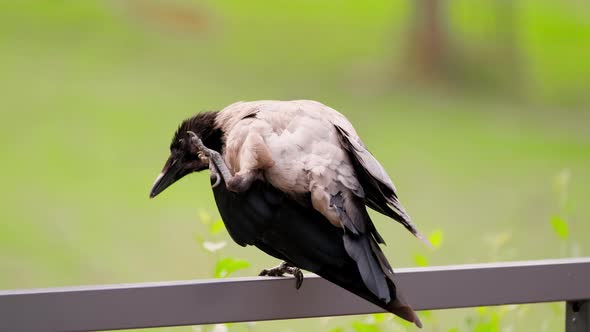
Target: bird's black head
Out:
[183,155]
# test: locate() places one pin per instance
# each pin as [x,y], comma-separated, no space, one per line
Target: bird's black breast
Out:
[247,215]
[282,227]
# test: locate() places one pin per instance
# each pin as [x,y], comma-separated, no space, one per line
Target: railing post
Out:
[577,316]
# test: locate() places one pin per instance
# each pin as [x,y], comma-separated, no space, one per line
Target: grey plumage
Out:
[314,149]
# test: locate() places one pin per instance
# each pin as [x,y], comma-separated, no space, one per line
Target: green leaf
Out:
[436,238]
[486,327]
[379,318]
[421,260]
[216,227]
[426,314]
[488,320]
[364,327]
[404,323]
[454,329]
[337,329]
[560,227]
[482,311]
[226,266]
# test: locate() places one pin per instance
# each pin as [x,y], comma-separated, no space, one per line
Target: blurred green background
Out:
[480,111]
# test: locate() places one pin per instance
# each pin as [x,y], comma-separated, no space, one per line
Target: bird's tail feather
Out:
[403,310]
[359,249]
[398,306]
[377,276]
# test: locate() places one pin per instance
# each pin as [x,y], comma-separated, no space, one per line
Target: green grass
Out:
[92,92]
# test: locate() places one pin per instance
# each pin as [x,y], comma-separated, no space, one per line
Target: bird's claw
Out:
[217,165]
[214,175]
[298,275]
[204,154]
[279,271]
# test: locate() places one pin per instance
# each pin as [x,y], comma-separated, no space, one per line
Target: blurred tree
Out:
[428,41]
[507,42]
[439,51]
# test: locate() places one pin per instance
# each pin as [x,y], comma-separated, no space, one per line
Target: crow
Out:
[294,179]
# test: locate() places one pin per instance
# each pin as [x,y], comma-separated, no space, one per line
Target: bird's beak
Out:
[171,173]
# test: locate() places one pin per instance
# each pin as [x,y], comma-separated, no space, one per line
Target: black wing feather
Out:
[379,191]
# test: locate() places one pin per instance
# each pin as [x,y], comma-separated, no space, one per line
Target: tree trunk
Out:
[428,42]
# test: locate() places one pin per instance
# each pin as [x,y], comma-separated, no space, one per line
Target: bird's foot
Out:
[217,165]
[214,175]
[281,270]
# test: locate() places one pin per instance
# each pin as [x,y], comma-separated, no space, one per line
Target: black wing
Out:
[380,193]
[288,230]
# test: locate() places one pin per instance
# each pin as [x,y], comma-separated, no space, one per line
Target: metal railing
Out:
[195,302]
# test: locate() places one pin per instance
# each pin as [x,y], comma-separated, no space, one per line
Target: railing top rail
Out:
[153,304]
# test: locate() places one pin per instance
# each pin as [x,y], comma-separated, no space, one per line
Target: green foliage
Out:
[213,243]
[216,227]
[426,314]
[491,319]
[561,184]
[226,266]
[364,327]
[436,238]
[560,221]
[379,318]
[375,323]
[488,320]
[560,227]
[420,259]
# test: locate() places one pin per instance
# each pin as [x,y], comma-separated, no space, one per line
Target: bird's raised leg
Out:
[239,182]
[284,267]
[214,174]
[217,165]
